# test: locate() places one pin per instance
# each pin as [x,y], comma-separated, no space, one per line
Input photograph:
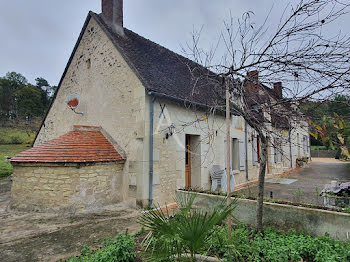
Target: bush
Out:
[16,139]
[116,249]
[186,232]
[275,246]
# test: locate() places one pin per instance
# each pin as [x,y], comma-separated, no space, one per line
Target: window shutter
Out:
[225,158]
[255,151]
[225,154]
[241,155]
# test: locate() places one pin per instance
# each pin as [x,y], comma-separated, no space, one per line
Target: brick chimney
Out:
[112,12]
[253,81]
[253,76]
[277,87]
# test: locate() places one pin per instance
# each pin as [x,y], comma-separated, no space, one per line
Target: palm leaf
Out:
[186,232]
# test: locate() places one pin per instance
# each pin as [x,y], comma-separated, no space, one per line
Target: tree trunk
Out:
[262,169]
[261,182]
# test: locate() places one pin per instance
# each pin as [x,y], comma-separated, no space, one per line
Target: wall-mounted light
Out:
[171,131]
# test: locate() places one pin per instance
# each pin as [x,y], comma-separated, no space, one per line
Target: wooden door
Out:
[188,162]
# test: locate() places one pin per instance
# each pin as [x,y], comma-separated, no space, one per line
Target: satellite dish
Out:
[72,101]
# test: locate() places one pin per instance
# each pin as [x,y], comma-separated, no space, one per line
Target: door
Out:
[188,162]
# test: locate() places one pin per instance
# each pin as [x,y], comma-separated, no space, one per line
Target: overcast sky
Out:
[37,36]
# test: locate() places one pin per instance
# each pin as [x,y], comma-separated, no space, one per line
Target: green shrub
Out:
[186,232]
[16,139]
[16,136]
[116,249]
[274,246]
[239,249]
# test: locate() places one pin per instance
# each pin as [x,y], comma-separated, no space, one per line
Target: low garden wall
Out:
[315,222]
[71,187]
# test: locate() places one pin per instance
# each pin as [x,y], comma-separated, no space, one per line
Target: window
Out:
[278,153]
[234,154]
[305,145]
[255,150]
[237,154]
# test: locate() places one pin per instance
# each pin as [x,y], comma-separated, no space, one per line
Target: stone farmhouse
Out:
[129,123]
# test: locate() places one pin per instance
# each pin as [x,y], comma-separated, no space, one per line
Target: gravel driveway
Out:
[309,181]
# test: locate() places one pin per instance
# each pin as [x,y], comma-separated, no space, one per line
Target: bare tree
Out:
[299,51]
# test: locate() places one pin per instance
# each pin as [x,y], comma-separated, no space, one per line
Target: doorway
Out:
[188,162]
[193,161]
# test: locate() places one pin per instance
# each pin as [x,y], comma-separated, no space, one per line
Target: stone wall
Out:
[74,187]
[169,152]
[315,222]
[207,147]
[110,96]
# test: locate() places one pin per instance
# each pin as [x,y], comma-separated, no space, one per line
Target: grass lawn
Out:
[16,136]
[9,150]
[318,148]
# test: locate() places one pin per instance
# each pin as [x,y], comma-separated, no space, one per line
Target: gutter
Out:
[150,192]
[188,103]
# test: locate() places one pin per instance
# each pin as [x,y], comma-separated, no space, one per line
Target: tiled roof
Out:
[165,72]
[85,144]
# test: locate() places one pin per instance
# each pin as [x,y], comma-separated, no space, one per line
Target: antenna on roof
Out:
[72,102]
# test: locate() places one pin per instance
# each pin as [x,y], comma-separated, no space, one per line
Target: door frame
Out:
[188,161]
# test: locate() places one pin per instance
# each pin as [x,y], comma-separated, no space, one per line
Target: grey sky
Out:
[37,36]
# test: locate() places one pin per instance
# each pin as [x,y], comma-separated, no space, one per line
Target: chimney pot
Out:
[112,11]
[277,87]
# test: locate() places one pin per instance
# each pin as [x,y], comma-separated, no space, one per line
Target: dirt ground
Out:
[309,182]
[49,237]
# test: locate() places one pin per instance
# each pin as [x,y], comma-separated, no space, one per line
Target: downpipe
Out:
[150,186]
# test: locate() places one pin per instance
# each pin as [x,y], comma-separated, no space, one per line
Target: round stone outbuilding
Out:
[79,170]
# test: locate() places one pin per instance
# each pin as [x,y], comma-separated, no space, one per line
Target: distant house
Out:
[133,121]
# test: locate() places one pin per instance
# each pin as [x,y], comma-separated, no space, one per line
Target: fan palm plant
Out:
[185,232]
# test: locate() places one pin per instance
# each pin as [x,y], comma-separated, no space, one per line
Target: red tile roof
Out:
[79,146]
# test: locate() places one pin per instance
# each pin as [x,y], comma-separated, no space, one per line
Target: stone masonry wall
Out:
[110,96]
[54,187]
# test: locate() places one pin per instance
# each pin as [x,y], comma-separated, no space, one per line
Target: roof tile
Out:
[166,72]
[74,147]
